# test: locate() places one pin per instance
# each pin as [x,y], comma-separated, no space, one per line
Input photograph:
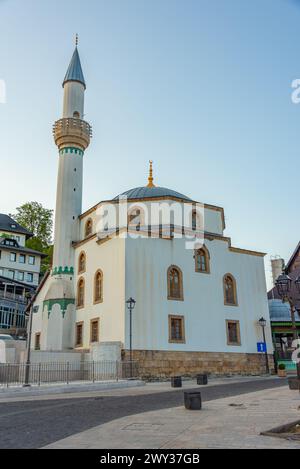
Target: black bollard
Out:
[202,379]
[192,400]
[176,382]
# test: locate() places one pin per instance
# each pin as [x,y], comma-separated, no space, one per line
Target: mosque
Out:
[197,298]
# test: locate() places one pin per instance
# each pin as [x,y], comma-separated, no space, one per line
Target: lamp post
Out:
[283,285]
[262,322]
[130,305]
[29,332]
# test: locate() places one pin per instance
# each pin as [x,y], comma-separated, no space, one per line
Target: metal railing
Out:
[12,374]
[12,296]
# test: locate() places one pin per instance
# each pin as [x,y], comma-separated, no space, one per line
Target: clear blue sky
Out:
[202,87]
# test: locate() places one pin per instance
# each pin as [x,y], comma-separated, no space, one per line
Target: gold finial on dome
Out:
[150,178]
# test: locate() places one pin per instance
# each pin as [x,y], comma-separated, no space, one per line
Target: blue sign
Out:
[261,347]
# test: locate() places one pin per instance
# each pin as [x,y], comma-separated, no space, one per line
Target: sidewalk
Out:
[218,425]
[120,388]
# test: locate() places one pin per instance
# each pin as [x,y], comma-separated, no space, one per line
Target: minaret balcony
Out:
[72,132]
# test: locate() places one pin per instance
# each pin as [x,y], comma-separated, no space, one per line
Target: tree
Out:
[38,220]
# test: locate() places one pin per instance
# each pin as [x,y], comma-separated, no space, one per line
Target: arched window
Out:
[98,287]
[136,217]
[196,220]
[81,262]
[88,227]
[202,260]
[80,293]
[175,284]
[76,115]
[229,285]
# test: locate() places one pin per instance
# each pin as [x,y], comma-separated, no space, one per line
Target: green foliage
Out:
[36,219]
[39,221]
[281,366]
[47,262]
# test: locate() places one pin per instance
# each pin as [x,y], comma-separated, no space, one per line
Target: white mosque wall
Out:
[147,262]
[213,216]
[110,258]
[40,317]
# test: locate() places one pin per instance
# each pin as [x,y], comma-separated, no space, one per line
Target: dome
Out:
[280,312]
[155,192]
[151,191]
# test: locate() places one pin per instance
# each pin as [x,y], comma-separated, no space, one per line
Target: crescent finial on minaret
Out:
[76,39]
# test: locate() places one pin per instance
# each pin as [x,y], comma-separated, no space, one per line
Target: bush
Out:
[281,366]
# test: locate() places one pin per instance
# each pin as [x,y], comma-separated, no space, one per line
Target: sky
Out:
[201,87]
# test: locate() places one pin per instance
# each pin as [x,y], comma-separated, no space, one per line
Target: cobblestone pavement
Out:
[34,423]
[232,422]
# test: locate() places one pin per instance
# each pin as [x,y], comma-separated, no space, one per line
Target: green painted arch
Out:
[62,270]
[71,151]
[62,302]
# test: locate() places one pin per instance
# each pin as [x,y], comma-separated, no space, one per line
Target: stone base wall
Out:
[159,364]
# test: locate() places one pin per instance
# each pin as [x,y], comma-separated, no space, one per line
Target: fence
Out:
[12,374]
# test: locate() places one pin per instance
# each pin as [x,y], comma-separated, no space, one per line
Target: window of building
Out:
[88,227]
[175,283]
[80,293]
[82,263]
[37,341]
[194,220]
[202,260]
[229,286]
[11,274]
[9,242]
[233,333]
[176,329]
[76,115]
[31,260]
[98,287]
[21,276]
[136,217]
[94,330]
[29,277]
[22,258]
[79,334]
[13,257]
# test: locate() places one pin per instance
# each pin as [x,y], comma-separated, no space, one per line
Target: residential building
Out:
[19,274]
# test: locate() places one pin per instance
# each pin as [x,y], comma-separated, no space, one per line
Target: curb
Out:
[68,388]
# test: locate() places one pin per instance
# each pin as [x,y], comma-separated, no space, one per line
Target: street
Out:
[39,422]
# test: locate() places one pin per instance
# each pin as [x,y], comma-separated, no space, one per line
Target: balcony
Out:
[12,297]
[71,131]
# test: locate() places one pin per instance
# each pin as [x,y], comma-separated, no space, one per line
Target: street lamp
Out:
[283,285]
[130,305]
[262,322]
[29,332]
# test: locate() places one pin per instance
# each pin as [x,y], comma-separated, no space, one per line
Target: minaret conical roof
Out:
[74,72]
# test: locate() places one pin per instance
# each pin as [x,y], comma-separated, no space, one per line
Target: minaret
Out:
[72,136]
